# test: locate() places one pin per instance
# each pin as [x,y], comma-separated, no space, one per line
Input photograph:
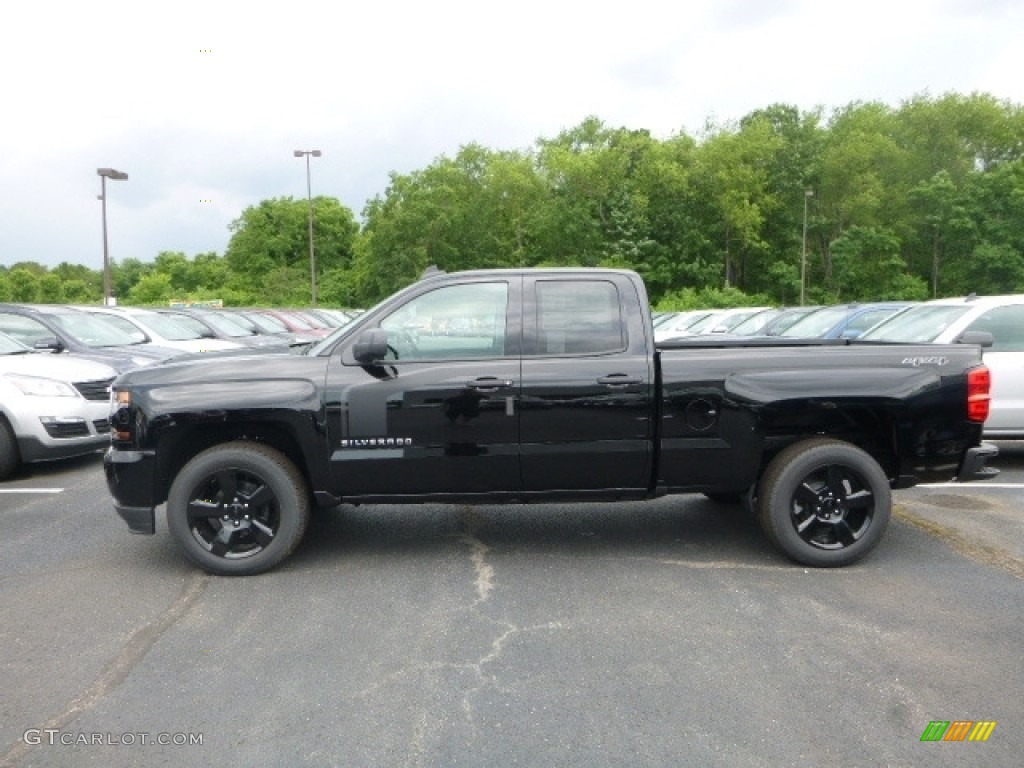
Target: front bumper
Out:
[974,465]
[139,519]
[131,481]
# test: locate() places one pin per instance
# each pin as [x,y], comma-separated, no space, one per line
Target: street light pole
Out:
[808,193]
[104,174]
[309,195]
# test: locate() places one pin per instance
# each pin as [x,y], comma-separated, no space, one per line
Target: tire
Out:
[10,456]
[823,502]
[238,509]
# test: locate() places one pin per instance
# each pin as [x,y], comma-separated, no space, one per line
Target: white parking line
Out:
[973,486]
[31,490]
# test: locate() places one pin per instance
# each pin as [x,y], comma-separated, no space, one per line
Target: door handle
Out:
[487,383]
[619,380]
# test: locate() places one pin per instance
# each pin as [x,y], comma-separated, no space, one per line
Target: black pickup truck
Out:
[539,385]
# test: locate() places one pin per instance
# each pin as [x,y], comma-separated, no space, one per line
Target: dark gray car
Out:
[60,329]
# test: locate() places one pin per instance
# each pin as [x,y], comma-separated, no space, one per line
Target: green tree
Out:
[51,289]
[275,235]
[126,274]
[868,265]
[478,209]
[23,284]
[735,179]
[941,220]
[81,285]
[208,276]
[153,289]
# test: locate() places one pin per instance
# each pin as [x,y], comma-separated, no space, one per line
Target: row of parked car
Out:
[56,405]
[57,363]
[995,322]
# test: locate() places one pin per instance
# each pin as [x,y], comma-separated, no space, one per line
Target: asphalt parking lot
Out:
[983,522]
[658,633]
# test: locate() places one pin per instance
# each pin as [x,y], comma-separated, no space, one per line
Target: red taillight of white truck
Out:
[979,384]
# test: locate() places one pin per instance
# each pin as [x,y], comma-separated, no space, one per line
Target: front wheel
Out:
[238,509]
[9,455]
[824,502]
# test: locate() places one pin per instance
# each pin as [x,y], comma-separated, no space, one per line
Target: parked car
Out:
[842,321]
[335,318]
[676,323]
[265,325]
[721,321]
[60,330]
[162,330]
[771,322]
[295,323]
[944,321]
[211,324]
[50,407]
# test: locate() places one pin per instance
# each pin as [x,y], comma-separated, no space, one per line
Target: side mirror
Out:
[981,338]
[49,344]
[371,346]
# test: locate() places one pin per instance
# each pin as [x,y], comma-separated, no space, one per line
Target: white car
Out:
[161,330]
[703,321]
[51,407]
[944,321]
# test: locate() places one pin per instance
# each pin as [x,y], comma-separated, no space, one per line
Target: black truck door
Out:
[587,390]
[439,415]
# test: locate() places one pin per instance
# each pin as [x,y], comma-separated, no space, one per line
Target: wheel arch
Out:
[870,426]
[179,446]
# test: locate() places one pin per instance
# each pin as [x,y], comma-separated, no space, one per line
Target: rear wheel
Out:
[238,509]
[824,502]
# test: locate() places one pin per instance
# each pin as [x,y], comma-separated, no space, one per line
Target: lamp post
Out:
[309,195]
[104,174]
[808,193]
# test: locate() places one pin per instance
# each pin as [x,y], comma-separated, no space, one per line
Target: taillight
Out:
[979,383]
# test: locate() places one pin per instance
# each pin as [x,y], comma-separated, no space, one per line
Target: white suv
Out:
[51,406]
[947,320]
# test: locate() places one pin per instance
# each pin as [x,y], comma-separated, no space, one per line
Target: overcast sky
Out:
[203,103]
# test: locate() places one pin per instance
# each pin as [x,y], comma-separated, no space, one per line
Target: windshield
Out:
[703,323]
[817,323]
[194,325]
[756,323]
[296,322]
[266,323]
[166,326]
[921,324]
[229,326]
[95,331]
[9,346]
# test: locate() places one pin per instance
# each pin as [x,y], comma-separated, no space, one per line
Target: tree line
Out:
[870,202]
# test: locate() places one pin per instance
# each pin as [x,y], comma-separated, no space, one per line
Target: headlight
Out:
[33,385]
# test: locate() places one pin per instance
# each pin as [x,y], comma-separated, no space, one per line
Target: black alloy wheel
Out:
[824,502]
[238,508]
